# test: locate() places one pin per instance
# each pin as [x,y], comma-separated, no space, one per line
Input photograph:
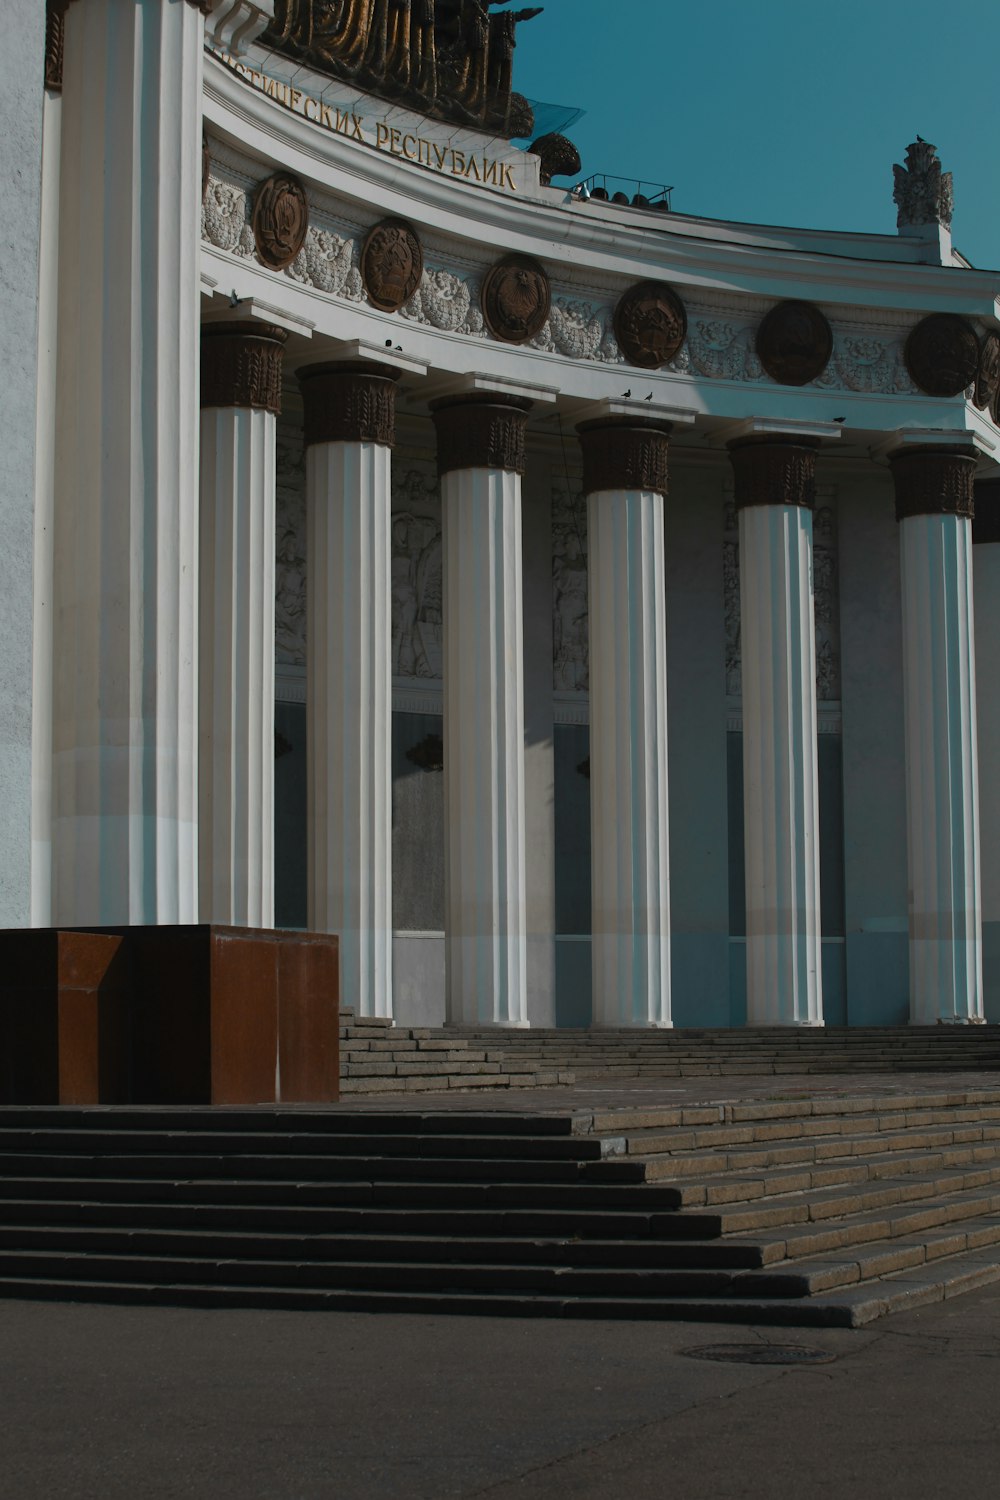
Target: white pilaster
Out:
[774,486]
[986,565]
[939,696]
[349,683]
[236,674]
[126,543]
[628,759]
[485,934]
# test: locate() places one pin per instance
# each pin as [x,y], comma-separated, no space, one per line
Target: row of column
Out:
[138,743]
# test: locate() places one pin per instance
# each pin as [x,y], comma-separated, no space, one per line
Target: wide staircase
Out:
[380,1058]
[808,1211]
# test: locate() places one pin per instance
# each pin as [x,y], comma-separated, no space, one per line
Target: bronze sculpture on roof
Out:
[449,58]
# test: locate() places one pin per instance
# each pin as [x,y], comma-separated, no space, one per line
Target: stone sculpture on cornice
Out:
[922,193]
[448,58]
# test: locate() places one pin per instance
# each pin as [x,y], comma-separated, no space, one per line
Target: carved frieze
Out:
[650,323]
[624,453]
[794,343]
[280,220]
[480,432]
[942,354]
[933,482]
[241,365]
[349,403]
[774,472]
[392,263]
[570,611]
[290,546]
[417,590]
[515,299]
[988,374]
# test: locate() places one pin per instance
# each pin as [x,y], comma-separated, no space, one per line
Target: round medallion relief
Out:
[942,354]
[650,324]
[280,220]
[516,298]
[392,263]
[794,343]
[988,374]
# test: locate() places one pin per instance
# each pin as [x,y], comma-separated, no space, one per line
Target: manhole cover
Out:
[761,1354]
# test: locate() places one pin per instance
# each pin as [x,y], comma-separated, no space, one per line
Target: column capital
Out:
[774,471]
[624,453]
[241,365]
[349,402]
[933,482]
[481,431]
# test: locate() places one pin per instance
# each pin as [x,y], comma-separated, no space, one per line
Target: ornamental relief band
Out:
[774,473]
[720,341]
[930,483]
[352,403]
[484,432]
[241,365]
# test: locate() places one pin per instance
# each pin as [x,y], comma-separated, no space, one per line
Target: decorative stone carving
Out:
[942,354]
[480,432]
[290,550]
[280,220]
[428,754]
[516,298]
[826,594]
[570,610]
[225,218]
[650,324]
[55,21]
[771,471]
[241,365]
[624,453]
[988,374]
[392,263]
[349,403]
[723,350]
[731,601]
[559,157]
[922,192]
[794,343]
[933,482]
[417,591]
[447,58]
[447,301]
[580,331]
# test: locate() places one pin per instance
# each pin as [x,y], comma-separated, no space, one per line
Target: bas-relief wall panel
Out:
[874,752]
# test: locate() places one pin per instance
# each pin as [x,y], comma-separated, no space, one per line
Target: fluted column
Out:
[986,568]
[124,730]
[934,505]
[240,398]
[349,433]
[775,489]
[481,460]
[625,480]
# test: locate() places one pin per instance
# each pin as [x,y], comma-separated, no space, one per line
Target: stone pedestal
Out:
[240,397]
[349,432]
[481,460]
[625,480]
[934,504]
[124,732]
[774,497]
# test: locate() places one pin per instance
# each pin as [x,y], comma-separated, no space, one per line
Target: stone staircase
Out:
[379,1058]
[801,1211]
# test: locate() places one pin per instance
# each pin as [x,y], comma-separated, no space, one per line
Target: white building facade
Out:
[572,604]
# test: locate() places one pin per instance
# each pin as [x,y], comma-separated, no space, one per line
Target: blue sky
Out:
[783,111]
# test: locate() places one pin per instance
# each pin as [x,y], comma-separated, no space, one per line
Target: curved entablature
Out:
[487,270]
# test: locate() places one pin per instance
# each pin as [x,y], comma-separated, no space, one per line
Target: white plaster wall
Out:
[21,100]
[874,751]
[696,739]
[986,592]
